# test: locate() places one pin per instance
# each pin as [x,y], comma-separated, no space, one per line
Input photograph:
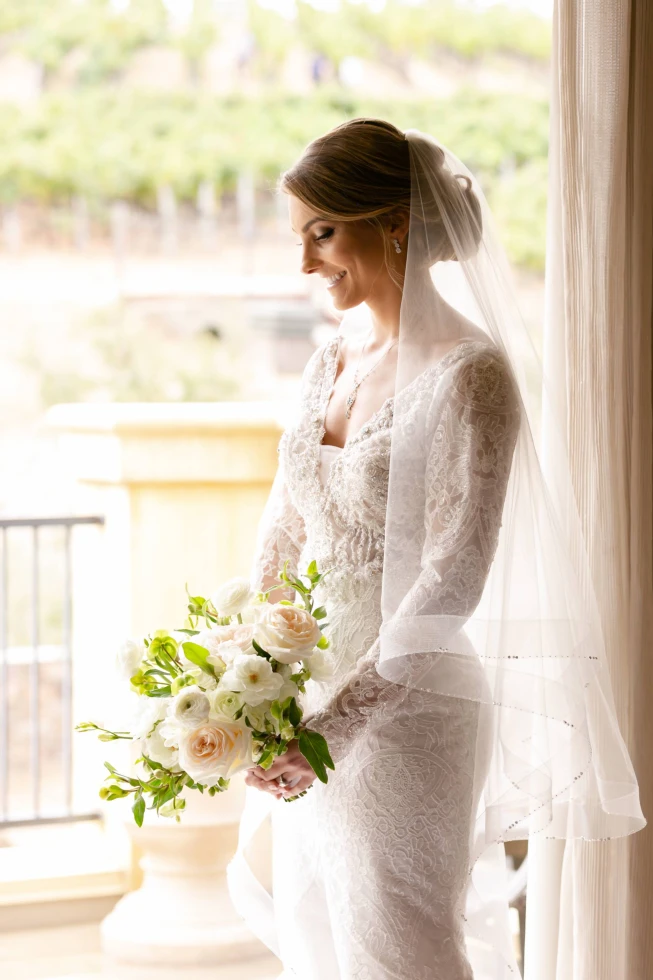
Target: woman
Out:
[460,648]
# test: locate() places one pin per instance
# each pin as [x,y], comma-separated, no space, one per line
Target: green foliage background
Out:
[103,140]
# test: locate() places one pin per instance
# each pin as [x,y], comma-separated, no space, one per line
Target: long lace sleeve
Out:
[281,536]
[466,475]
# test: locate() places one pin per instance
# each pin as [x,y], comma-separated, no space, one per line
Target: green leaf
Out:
[275,710]
[198,655]
[111,768]
[294,713]
[138,809]
[319,743]
[189,632]
[308,750]
[320,612]
[322,643]
[159,692]
[261,652]
[312,569]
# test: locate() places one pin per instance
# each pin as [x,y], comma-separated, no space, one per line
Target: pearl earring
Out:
[396,245]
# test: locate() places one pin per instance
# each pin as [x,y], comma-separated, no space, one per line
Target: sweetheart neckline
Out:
[330,374]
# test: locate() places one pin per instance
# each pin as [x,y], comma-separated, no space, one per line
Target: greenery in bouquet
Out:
[222,694]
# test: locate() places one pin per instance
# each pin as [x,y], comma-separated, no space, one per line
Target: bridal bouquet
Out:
[215,700]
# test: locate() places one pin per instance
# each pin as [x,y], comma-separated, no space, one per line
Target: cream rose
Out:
[287,633]
[232,597]
[214,750]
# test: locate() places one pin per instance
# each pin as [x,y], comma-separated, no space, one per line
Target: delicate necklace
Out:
[351,397]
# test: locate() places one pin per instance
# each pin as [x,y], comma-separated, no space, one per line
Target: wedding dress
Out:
[469,701]
[370,870]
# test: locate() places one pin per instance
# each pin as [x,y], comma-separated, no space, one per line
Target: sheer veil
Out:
[491,599]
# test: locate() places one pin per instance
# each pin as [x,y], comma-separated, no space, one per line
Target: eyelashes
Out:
[326,235]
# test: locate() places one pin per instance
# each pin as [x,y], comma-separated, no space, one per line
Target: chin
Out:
[345,302]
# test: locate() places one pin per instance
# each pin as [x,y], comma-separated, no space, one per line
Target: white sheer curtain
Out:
[590,904]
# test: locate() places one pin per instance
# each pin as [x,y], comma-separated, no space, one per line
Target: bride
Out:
[454,694]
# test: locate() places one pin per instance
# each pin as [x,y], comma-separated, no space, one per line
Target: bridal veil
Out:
[492,599]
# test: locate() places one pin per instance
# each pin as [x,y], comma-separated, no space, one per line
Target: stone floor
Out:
[73,953]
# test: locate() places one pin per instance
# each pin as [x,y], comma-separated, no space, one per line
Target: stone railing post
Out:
[181,488]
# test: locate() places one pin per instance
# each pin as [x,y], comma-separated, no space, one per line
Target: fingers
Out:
[253,779]
[280,764]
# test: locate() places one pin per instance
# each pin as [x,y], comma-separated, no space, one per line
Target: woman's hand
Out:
[291,764]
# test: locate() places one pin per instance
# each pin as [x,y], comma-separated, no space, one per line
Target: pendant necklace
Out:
[351,397]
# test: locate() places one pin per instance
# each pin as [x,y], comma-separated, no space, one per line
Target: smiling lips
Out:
[334,280]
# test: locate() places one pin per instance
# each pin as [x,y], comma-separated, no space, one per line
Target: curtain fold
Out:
[598,342]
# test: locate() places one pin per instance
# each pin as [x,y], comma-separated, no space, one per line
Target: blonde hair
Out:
[361,170]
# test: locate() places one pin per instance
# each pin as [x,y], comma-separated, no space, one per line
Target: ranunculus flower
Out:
[128,658]
[232,597]
[287,633]
[256,716]
[252,676]
[225,704]
[190,707]
[214,750]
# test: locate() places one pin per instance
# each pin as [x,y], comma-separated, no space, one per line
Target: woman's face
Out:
[348,255]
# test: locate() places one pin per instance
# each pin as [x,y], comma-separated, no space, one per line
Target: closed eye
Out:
[320,238]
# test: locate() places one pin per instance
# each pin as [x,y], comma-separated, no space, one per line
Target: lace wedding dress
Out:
[370,870]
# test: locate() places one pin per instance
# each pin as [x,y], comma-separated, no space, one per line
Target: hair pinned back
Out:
[361,170]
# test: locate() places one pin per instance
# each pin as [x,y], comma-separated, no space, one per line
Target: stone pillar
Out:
[181,488]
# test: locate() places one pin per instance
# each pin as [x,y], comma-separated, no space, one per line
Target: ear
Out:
[398,223]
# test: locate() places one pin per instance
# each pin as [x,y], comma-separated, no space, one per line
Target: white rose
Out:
[147,711]
[289,690]
[320,666]
[252,612]
[128,658]
[155,748]
[207,681]
[190,707]
[225,704]
[287,633]
[252,676]
[214,750]
[171,732]
[243,635]
[233,596]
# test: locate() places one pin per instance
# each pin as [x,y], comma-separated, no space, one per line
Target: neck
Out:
[385,306]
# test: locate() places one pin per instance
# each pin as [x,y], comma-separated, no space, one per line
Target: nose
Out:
[309,262]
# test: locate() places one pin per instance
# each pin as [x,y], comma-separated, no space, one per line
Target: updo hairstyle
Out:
[360,170]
